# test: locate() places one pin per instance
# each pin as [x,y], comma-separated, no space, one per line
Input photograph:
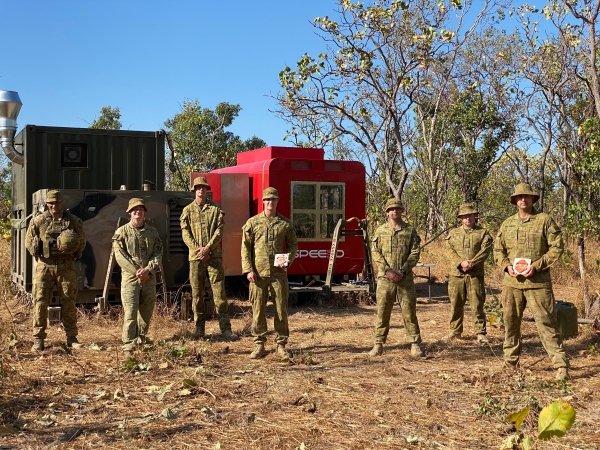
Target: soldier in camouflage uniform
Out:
[138,251]
[202,229]
[265,235]
[533,235]
[55,239]
[395,249]
[468,247]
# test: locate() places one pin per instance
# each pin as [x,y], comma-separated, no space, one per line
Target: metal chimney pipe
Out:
[10,106]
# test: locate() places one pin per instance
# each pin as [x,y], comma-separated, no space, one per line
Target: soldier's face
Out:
[55,207]
[270,204]
[138,212]
[524,202]
[468,220]
[395,213]
[201,192]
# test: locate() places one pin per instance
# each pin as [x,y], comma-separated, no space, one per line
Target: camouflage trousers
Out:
[541,305]
[387,293]
[259,293]
[216,276]
[461,289]
[138,305]
[64,278]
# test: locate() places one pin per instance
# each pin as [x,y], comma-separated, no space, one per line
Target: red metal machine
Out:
[314,193]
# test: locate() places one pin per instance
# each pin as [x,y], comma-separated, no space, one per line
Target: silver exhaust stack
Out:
[10,106]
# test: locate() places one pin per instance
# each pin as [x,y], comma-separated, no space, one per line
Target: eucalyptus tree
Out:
[109,119]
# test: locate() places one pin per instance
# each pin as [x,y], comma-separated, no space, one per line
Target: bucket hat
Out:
[523,189]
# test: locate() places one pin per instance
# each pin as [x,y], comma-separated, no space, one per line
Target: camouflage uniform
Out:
[396,249]
[202,226]
[539,239]
[54,268]
[262,238]
[474,244]
[137,248]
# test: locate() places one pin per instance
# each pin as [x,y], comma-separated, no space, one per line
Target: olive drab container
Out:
[566,315]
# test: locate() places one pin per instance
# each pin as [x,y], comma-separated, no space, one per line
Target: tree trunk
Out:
[587,301]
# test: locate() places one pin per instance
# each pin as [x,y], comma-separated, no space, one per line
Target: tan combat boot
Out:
[452,337]
[73,342]
[38,345]
[415,350]
[562,373]
[377,350]
[282,352]
[482,339]
[228,335]
[258,352]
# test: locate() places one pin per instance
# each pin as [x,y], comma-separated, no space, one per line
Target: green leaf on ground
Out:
[555,419]
[518,417]
[188,383]
[168,413]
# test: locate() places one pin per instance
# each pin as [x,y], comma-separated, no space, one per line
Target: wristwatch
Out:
[403,272]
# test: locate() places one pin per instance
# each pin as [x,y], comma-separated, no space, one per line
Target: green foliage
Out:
[201,142]
[177,352]
[491,406]
[518,417]
[555,419]
[109,119]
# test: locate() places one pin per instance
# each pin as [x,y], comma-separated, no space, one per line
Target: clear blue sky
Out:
[67,59]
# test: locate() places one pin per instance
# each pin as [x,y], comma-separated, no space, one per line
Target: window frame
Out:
[318,211]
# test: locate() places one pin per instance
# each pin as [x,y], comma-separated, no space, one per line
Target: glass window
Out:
[304,196]
[315,217]
[304,225]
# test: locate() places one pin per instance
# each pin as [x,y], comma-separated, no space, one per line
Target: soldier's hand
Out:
[393,276]
[143,274]
[511,272]
[466,265]
[251,277]
[529,272]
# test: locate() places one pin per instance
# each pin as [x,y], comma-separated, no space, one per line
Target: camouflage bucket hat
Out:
[270,192]
[53,196]
[393,203]
[466,209]
[136,202]
[200,181]
[523,189]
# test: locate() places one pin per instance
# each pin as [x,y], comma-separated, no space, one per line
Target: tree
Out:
[200,142]
[109,119]
[382,61]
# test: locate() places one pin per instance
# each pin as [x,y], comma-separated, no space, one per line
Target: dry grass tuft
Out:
[181,394]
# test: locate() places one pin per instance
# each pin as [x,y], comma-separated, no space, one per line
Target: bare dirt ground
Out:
[185,394]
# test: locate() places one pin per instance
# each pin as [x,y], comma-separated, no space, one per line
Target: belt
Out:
[56,261]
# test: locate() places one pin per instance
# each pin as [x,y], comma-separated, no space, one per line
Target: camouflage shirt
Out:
[474,244]
[43,231]
[262,238]
[537,238]
[202,226]
[137,248]
[396,248]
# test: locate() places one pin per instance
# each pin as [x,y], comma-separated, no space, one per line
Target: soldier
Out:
[264,236]
[138,251]
[468,247]
[55,239]
[396,251]
[533,235]
[202,229]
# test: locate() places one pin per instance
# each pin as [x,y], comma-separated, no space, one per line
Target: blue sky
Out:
[67,59]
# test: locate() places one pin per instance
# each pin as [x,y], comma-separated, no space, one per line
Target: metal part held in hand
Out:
[339,231]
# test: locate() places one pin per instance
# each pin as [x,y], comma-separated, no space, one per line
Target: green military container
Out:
[566,316]
[76,158]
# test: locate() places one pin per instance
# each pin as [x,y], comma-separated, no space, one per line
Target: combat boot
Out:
[38,345]
[377,350]
[283,352]
[452,337]
[258,352]
[72,342]
[199,332]
[228,335]
[562,373]
[482,339]
[415,350]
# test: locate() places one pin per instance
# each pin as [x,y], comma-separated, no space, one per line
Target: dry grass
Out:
[184,394]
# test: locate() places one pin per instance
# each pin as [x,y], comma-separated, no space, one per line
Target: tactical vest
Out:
[49,231]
